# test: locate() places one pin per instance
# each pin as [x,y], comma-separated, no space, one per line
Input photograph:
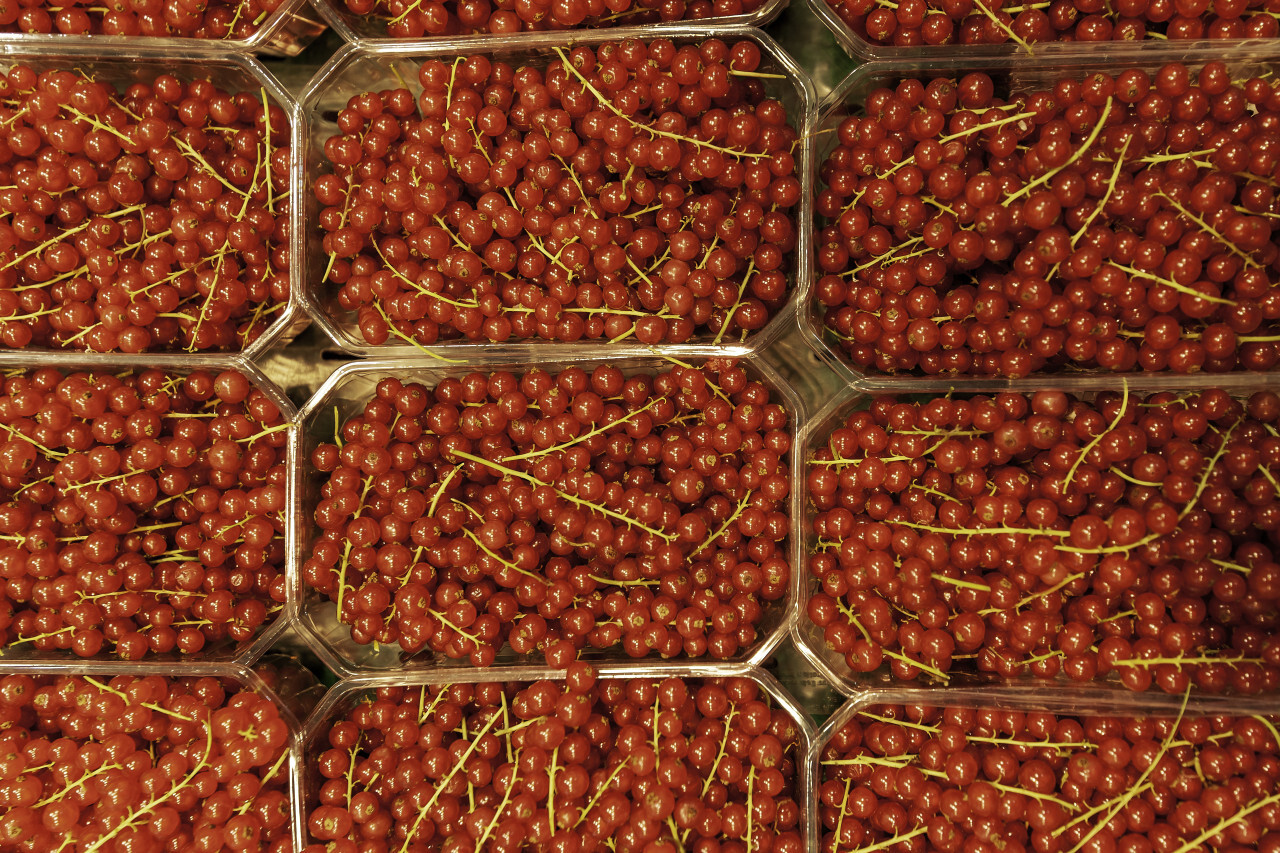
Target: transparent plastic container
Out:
[1078,701]
[225,652]
[345,394]
[284,32]
[359,68]
[373,28]
[809,638]
[1009,73]
[139,61]
[348,693]
[859,47]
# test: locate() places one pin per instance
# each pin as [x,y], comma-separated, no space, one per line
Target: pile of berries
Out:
[1131,537]
[211,19]
[143,512]
[141,763]
[146,217]
[916,778]
[558,512]
[1121,221]
[630,190]
[575,765]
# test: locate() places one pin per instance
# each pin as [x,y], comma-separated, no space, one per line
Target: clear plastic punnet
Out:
[284,31]
[315,614]
[139,61]
[364,67]
[369,27]
[350,694]
[1119,679]
[1014,74]
[157,582]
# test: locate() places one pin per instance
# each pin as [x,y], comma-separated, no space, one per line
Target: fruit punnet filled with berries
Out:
[1125,536]
[425,18]
[128,762]
[950,778]
[912,23]
[589,509]
[151,216]
[216,19]
[1120,221]
[630,191]
[143,512]
[576,765]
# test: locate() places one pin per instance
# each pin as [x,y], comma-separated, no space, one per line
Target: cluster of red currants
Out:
[202,19]
[1120,221]
[425,18]
[912,23]
[1131,537]
[152,217]
[574,766]
[557,512]
[143,512]
[141,763]
[951,779]
[629,189]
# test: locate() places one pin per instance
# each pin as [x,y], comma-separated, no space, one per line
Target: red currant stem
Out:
[102,481]
[1265,472]
[188,493]
[1188,659]
[137,815]
[604,427]
[574,499]
[644,128]
[764,74]
[391,327]
[894,761]
[265,432]
[743,502]
[267,777]
[932,491]
[1000,741]
[742,288]
[459,763]
[1204,226]
[616,582]
[1102,202]
[455,628]
[892,257]
[37,637]
[600,792]
[988,125]
[918,664]
[1170,283]
[751,781]
[98,596]
[485,548]
[444,484]
[1228,822]
[1076,155]
[1123,476]
[551,789]
[1223,564]
[1115,422]
[1119,803]
[78,783]
[960,583]
[848,785]
[503,803]
[192,154]
[853,619]
[1208,469]
[346,551]
[715,389]
[890,842]
[424,713]
[999,22]
[415,285]
[51,455]
[979,531]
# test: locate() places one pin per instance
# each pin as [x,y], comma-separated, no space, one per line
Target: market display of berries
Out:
[151,216]
[141,763]
[424,18]
[142,512]
[1119,221]
[596,509]
[1129,537]
[912,23]
[210,19]
[913,777]
[631,190]
[646,764]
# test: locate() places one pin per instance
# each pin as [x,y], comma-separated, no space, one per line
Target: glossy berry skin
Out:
[946,778]
[417,19]
[143,512]
[624,764]
[142,762]
[145,216]
[637,192]
[217,20]
[1122,221]
[1123,537]
[641,513]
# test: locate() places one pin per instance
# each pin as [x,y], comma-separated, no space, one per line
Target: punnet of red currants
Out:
[143,207]
[634,511]
[1121,536]
[916,777]
[103,762]
[629,192]
[924,23]
[1048,219]
[143,512]
[207,19]
[415,19]
[575,765]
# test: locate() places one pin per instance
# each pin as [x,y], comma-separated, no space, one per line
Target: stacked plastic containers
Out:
[574,585]
[1038,544]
